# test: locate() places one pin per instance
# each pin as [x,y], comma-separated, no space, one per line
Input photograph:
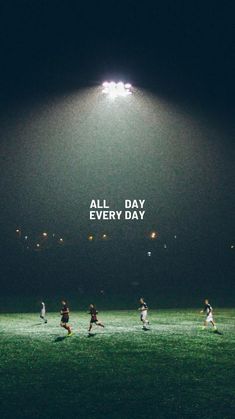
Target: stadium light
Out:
[113,89]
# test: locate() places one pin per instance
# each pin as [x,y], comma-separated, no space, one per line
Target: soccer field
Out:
[174,370]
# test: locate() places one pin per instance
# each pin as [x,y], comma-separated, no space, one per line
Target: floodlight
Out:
[113,89]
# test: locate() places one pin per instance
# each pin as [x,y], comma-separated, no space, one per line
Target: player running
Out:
[143,313]
[43,312]
[209,315]
[93,312]
[65,317]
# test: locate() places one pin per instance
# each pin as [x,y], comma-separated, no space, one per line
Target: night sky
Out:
[64,143]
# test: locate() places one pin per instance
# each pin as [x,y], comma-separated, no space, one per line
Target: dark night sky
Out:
[62,144]
[178,47]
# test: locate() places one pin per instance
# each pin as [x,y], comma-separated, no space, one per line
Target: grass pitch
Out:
[175,370]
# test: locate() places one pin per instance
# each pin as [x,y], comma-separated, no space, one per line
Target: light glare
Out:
[114,90]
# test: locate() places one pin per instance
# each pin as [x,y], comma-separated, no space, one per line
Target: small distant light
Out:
[104,236]
[232,246]
[175,237]
[26,237]
[44,234]
[90,238]
[153,235]
[149,253]
[61,240]
[17,230]
[165,246]
[38,245]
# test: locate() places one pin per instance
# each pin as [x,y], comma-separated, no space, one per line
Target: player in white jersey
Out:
[43,312]
[143,313]
[208,310]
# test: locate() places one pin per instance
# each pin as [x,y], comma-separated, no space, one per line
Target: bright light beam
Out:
[114,90]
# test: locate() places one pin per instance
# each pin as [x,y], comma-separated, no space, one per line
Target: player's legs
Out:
[90,327]
[43,317]
[99,324]
[213,324]
[66,327]
[144,319]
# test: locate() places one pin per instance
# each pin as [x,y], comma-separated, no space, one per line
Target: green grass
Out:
[176,370]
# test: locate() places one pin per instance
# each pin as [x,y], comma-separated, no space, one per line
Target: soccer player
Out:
[43,312]
[143,313]
[93,312]
[65,317]
[209,314]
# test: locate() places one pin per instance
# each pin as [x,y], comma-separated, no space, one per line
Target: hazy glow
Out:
[113,89]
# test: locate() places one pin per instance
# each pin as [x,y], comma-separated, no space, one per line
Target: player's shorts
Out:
[209,318]
[64,319]
[143,315]
[94,320]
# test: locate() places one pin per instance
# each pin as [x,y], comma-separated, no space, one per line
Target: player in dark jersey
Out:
[143,313]
[208,310]
[93,312]
[65,317]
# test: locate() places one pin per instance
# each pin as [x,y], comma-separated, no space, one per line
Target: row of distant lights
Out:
[44,235]
[113,89]
[153,236]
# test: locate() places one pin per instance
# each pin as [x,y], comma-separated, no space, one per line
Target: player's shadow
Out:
[59,339]
[91,335]
[37,324]
[217,332]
